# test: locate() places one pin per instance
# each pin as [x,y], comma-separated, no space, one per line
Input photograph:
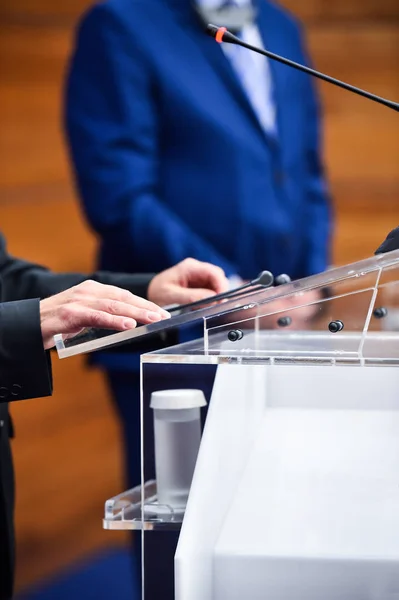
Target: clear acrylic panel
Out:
[272,325]
[311,293]
[174,403]
[388,298]
[344,323]
[380,344]
[170,442]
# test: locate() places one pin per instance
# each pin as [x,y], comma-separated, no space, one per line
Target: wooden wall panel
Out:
[361,137]
[334,12]
[307,10]
[44,10]
[362,141]
[31,142]
[67,449]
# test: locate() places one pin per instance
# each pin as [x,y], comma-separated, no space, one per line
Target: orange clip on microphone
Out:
[219,34]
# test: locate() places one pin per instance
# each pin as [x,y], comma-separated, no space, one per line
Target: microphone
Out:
[282,279]
[221,34]
[264,280]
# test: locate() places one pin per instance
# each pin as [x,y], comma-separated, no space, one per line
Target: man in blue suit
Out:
[183,147]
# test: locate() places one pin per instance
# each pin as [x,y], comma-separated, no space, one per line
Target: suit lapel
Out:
[218,61]
[214,54]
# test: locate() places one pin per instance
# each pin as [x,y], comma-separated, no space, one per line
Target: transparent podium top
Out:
[348,313]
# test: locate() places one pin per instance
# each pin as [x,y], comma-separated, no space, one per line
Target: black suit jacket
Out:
[25,370]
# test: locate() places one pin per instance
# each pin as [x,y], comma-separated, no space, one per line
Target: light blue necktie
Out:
[253,71]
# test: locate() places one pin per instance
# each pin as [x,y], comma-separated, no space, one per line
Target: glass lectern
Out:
[274,440]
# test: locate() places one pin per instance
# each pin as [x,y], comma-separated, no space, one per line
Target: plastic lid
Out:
[177,399]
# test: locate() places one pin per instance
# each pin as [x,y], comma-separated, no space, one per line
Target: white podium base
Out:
[296,489]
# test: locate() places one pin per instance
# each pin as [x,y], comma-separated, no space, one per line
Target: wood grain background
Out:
[67,451]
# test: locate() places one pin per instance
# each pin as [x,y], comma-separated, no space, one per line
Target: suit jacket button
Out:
[16,389]
[4,393]
[1,423]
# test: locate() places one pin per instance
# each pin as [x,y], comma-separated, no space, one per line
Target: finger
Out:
[72,334]
[110,292]
[78,317]
[123,309]
[206,275]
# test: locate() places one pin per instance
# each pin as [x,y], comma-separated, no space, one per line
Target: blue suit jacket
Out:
[169,155]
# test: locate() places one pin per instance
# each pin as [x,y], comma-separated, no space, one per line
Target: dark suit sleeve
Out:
[21,279]
[25,370]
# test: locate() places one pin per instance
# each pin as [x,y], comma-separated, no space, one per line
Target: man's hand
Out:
[186,282]
[92,304]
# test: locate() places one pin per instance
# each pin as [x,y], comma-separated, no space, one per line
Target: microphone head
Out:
[282,279]
[265,278]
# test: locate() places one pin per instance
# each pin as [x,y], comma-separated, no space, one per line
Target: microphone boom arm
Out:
[221,34]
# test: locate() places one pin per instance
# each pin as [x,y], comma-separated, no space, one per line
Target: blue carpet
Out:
[106,576]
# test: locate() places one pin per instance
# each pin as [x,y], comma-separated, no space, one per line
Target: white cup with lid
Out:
[177,435]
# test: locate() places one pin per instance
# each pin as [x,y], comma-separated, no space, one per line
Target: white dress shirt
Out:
[253,69]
